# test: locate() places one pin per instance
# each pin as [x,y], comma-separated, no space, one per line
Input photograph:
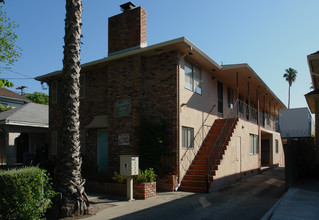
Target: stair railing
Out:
[200,129]
[222,138]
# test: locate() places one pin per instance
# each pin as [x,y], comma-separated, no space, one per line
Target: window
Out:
[220,97]
[54,91]
[253,144]
[193,78]
[82,85]
[230,97]
[187,137]
[277,146]
[82,141]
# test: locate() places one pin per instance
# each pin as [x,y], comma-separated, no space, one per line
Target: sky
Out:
[270,36]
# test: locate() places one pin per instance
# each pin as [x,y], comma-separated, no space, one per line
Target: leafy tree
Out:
[68,175]
[4,108]
[290,77]
[38,97]
[152,143]
[9,52]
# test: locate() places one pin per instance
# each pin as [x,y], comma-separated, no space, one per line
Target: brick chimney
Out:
[127,30]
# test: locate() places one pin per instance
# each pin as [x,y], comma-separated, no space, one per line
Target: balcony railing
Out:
[263,119]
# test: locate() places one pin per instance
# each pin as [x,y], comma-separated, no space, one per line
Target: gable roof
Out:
[8,94]
[186,48]
[30,114]
[182,44]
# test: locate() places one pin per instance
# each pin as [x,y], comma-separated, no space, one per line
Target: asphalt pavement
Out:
[247,199]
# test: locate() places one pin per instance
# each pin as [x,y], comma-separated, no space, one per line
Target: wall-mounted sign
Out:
[122,107]
[124,139]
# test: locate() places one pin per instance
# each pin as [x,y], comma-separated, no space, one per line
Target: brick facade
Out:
[166,183]
[127,30]
[148,82]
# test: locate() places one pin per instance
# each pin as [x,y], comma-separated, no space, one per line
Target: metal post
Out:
[129,189]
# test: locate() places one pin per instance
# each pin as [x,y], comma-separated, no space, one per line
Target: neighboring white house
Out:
[295,123]
[23,130]
[7,97]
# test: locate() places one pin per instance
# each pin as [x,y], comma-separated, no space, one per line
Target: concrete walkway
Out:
[300,202]
[247,199]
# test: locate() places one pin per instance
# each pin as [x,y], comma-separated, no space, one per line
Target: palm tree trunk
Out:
[69,180]
[289,97]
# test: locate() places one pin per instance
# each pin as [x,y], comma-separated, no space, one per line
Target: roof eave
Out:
[25,124]
[314,75]
[245,65]
[137,51]
[15,99]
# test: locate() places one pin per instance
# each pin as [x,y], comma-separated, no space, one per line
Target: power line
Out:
[17,73]
[15,78]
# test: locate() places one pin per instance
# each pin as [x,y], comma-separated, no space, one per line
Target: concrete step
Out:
[193,189]
[194,183]
[195,177]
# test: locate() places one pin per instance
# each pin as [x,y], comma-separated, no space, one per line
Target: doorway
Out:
[22,146]
[102,150]
[220,97]
[265,152]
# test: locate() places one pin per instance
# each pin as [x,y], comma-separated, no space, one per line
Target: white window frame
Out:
[253,144]
[195,77]
[187,137]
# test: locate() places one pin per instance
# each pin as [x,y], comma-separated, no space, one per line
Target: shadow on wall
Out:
[198,102]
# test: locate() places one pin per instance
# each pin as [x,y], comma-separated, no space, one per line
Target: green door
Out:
[102,150]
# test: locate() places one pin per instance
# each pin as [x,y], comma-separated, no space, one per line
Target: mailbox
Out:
[129,165]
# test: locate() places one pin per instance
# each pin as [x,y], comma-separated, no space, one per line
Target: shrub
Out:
[118,178]
[147,175]
[25,193]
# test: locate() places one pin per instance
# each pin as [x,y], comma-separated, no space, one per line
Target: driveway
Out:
[247,199]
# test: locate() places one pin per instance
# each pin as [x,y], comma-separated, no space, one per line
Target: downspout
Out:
[237,91]
[248,100]
[257,95]
[248,93]
[178,121]
[178,115]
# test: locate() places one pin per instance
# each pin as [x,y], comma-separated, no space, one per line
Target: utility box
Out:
[129,165]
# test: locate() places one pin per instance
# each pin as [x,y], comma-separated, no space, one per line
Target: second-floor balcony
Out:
[248,113]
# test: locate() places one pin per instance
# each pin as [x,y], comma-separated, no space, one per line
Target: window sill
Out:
[187,148]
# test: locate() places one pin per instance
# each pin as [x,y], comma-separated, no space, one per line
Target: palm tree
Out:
[290,77]
[68,175]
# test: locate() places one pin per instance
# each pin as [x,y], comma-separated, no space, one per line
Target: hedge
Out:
[25,193]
